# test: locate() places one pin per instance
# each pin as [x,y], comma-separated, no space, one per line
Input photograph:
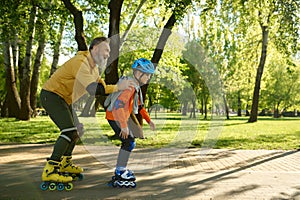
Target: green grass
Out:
[38,130]
[172,130]
[267,133]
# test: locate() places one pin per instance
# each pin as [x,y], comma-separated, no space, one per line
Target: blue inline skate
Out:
[123,178]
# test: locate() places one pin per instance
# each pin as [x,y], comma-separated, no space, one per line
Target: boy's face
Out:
[142,77]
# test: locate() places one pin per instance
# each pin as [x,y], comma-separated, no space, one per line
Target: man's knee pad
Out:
[128,145]
[70,136]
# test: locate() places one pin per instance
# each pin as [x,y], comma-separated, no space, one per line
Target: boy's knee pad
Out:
[70,136]
[128,145]
[132,145]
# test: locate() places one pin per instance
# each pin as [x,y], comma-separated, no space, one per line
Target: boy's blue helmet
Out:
[143,65]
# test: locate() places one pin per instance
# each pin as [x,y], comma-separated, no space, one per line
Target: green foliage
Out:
[179,7]
[282,83]
[228,31]
[287,36]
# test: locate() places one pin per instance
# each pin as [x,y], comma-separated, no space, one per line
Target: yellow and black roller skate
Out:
[52,180]
[124,178]
[69,169]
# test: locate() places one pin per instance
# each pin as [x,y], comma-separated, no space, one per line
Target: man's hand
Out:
[124,133]
[125,84]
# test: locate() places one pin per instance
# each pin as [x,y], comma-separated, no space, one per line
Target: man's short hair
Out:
[97,41]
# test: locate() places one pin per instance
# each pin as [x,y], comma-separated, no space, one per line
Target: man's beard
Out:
[101,64]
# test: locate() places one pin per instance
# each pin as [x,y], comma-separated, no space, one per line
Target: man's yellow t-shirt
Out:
[72,78]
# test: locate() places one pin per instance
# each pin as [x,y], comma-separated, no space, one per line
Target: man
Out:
[76,77]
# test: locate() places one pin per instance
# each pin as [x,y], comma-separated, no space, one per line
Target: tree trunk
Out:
[239,113]
[25,111]
[260,69]
[87,107]
[4,112]
[247,111]
[36,72]
[205,107]
[202,106]
[276,111]
[95,107]
[167,31]
[226,107]
[184,108]
[20,67]
[111,73]
[78,22]
[12,100]
[193,111]
[15,52]
[57,46]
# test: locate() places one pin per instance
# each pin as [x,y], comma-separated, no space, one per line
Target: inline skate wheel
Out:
[52,186]
[126,184]
[60,187]
[112,183]
[44,186]
[133,185]
[80,177]
[74,177]
[119,184]
[69,187]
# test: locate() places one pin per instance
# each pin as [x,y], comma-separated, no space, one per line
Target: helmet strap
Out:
[139,79]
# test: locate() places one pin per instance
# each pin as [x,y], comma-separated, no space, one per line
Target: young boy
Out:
[121,105]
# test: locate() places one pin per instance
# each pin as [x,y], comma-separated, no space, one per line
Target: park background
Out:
[235,62]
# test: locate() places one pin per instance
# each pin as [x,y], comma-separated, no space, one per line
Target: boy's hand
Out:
[124,133]
[125,84]
[152,125]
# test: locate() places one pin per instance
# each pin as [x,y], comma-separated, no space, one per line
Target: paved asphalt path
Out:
[161,174]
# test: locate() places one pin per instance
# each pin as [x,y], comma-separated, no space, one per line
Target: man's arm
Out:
[95,89]
[100,87]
